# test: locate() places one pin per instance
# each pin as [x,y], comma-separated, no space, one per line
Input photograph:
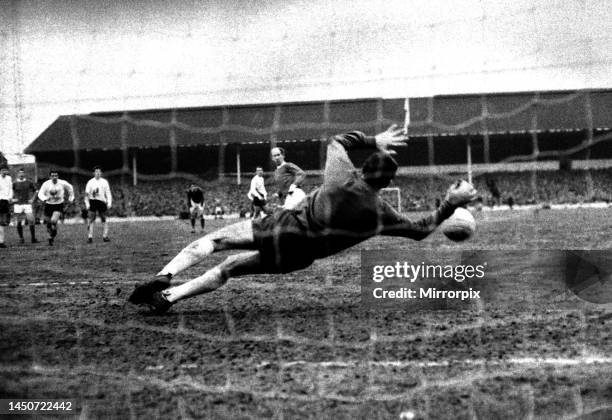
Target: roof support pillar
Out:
[238,175]
[221,161]
[324,135]
[76,144]
[223,143]
[76,150]
[485,129]
[173,147]
[274,130]
[124,143]
[125,152]
[430,141]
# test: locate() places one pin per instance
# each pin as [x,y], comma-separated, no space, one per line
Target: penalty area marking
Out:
[243,285]
[517,361]
[68,283]
[522,361]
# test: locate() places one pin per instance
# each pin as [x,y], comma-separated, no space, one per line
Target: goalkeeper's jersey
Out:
[345,210]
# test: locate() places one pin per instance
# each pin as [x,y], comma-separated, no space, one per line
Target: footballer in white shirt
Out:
[53,193]
[195,201]
[6,196]
[257,193]
[98,199]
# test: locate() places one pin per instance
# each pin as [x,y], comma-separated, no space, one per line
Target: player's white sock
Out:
[193,253]
[1,234]
[207,282]
[90,230]
[104,229]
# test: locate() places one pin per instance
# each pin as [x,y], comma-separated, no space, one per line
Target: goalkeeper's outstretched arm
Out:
[396,224]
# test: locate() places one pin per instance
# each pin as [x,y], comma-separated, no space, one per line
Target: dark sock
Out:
[20,230]
[193,223]
[32,232]
[202,222]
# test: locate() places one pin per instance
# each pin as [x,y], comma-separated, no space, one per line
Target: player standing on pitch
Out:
[6,196]
[98,199]
[257,193]
[53,193]
[24,192]
[288,178]
[195,201]
[343,212]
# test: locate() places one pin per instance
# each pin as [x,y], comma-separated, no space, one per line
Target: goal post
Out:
[393,196]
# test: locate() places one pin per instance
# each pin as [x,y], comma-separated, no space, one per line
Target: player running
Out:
[257,193]
[195,201]
[24,194]
[53,193]
[98,200]
[343,212]
[6,196]
[288,178]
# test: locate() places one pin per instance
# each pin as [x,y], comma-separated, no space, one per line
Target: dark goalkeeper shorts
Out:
[283,242]
[5,213]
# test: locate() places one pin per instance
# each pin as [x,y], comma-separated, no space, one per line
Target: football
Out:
[460,226]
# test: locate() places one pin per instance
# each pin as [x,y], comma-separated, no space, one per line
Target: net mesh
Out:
[366,377]
[563,139]
[393,196]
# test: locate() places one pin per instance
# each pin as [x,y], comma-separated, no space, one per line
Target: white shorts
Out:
[196,208]
[22,209]
[294,198]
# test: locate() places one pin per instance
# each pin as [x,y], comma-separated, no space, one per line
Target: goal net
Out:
[393,196]
[525,148]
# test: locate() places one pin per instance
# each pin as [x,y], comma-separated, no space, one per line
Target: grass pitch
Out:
[298,345]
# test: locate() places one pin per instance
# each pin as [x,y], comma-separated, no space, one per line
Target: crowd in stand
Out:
[515,188]
[157,198]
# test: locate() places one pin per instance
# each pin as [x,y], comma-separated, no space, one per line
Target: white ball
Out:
[406,415]
[460,226]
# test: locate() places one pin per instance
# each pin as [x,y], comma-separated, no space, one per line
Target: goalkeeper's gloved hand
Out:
[460,193]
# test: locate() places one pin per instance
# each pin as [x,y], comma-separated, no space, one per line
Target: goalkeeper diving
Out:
[343,212]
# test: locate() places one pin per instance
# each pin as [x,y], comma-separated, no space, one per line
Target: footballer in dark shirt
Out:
[24,194]
[195,202]
[288,178]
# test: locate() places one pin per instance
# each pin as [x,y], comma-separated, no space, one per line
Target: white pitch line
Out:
[522,361]
[518,361]
[68,283]
[182,382]
[249,285]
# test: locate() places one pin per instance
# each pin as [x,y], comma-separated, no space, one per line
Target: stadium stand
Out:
[164,148]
